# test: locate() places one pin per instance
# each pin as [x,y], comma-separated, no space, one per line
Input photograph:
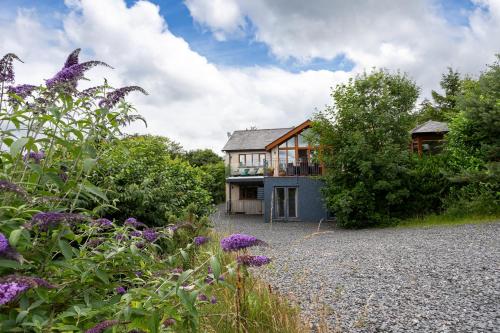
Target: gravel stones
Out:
[439,279]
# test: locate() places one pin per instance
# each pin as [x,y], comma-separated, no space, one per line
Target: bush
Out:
[428,184]
[365,148]
[146,182]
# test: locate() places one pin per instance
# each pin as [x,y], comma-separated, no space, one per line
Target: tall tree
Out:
[443,106]
[365,138]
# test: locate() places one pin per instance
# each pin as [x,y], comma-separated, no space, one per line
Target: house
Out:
[428,138]
[274,173]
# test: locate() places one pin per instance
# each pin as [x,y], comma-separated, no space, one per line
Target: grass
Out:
[264,310]
[447,220]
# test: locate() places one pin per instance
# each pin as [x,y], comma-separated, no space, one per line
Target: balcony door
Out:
[285,203]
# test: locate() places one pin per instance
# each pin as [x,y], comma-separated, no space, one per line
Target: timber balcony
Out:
[279,167]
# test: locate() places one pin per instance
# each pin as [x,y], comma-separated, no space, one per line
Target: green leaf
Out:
[10,264]
[215,265]
[66,249]
[184,254]
[103,276]
[16,147]
[89,164]
[14,237]
[95,191]
[21,316]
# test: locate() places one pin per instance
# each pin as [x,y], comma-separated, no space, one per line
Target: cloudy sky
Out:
[213,66]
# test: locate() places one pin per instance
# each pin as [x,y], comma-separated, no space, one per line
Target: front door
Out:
[285,203]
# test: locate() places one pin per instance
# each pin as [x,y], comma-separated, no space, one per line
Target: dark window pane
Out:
[292,202]
[280,202]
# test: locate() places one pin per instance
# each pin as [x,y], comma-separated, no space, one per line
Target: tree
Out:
[146,182]
[199,157]
[443,107]
[364,139]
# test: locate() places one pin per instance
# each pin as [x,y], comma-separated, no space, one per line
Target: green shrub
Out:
[428,184]
[365,148]
[146,182]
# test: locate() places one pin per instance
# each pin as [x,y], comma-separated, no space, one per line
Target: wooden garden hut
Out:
[428,138]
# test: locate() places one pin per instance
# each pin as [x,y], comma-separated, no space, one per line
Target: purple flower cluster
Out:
[10,290]
[237,242]
[95,242]
[253,261]
[150,235]
[22,90]
[44,221]
[6,67]
[4,243]
[72,59]
[134,223]
[202,297]
[30,281]
[6,251]
[103,223]
[213,300]
[35,156]
[69,76]
[5,185]
[121,290]
[136,233]
[115,96]
[99,328]
[200,240]
[169,322]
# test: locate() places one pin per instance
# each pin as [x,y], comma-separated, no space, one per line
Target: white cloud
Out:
[409,35]
[191,100]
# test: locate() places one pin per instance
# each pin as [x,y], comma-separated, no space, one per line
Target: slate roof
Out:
[431,126]
[253,139]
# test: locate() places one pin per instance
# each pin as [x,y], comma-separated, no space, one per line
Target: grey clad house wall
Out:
[310,203]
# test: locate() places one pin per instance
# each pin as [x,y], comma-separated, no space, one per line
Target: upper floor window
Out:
[255,159]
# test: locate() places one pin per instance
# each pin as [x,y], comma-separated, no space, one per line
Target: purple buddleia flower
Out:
[131,221]
[213,300]
[4,243]
[150,235]
[177,270]
[35,156]
[237,242]
[6,251]
[99,328]
[72,58]
[7,186]
[7,68]
[136,233]
[63,176]
[95,242]
[22,90]
[169,322]
[202,297]
[44,221]
[139,273]
[139,245]
[120,237]
[10,290]
[69,76]
[121,290]
[117,95]
[30,281]
[209,280]
[200,240]
[103,223]
[253,261]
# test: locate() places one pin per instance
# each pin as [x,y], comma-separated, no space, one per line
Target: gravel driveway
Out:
[440,279]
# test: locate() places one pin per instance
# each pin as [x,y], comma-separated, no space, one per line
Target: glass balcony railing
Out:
[279,167]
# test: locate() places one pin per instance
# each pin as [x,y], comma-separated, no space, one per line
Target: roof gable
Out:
[293,131]
[431,126]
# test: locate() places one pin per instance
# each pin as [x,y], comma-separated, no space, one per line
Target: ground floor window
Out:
[285,202]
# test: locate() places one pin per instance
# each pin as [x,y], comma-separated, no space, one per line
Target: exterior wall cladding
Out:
[310,204]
